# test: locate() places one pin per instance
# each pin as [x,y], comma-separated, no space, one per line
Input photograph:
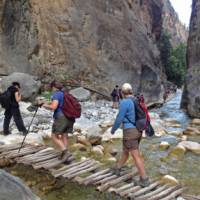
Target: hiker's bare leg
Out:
[65,140]
[56,139]
[138,162]
[123,159]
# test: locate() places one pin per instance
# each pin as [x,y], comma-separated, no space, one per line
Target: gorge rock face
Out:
[97,43]
[191,95]
[172,25]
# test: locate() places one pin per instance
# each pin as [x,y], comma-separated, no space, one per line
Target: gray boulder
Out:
[29,84]
[81,94]
[13,188]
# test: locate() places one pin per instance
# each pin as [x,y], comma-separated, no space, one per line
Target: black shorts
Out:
[62,125]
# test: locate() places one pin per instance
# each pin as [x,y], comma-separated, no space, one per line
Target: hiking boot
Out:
[6,133]
[24,132]
[64,155]
[116,171]
[143,182]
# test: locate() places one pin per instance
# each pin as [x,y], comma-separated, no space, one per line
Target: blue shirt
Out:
[59,96]
[126,115]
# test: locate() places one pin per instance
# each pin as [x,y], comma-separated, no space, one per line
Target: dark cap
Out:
[16,84]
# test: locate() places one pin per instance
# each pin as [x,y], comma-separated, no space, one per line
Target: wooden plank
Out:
[101,178]
[14,151]
[37,157]
[74,169]
[9,147]
[42,152]
[144,190]
[85,171]
[116,181]
[79,168]
[153,193]
[44,163]
[56,171]
[108,177]
[42,158]
[174,194]
[57,162]
[97,176]
[164,193]
[130,190]
[120,189]
[190,197]
[24,152]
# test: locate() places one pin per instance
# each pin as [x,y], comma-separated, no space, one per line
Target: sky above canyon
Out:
[183,8]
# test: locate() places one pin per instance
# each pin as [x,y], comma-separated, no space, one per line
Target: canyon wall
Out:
[95,43]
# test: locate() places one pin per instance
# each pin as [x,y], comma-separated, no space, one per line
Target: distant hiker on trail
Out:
[61,125]
[116,95]
[131,136]
[13,97]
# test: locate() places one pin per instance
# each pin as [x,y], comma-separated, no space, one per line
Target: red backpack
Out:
[71,107]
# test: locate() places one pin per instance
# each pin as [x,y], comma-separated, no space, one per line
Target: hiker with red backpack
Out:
[66,108]
[131,135]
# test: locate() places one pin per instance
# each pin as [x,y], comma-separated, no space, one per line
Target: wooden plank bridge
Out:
[89,172]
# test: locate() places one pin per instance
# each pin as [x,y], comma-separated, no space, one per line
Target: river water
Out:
[172,110]
[158,163]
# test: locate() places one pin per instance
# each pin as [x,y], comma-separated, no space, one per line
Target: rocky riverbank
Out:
[91,137]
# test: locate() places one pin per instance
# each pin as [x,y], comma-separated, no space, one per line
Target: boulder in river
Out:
[13,188]
[107,136]
[164,145]
[195,122]
[170,180]
[30,85]
[81,94]
[191,131]
[191,146]
[97,150]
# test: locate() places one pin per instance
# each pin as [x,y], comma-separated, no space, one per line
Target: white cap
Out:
[126,87]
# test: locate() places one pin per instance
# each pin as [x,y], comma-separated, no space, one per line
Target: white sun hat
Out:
[126,87]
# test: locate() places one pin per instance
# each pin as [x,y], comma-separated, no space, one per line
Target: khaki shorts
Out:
[62,125]
[131,139]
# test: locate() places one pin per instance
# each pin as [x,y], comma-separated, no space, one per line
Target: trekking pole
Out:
[28,128]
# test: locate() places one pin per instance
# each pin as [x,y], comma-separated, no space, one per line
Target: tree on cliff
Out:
[173,59]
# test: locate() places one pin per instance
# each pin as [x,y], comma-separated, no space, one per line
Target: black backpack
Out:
[5,99]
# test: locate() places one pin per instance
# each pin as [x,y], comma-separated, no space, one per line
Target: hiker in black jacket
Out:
[13,110]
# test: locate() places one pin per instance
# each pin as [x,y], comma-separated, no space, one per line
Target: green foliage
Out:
[173,59]
[47,95]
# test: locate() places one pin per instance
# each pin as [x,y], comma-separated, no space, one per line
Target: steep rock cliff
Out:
[172,24]
[99,43]
[191,95]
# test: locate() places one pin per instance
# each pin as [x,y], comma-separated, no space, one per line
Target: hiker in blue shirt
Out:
[61,125]
[131,136]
